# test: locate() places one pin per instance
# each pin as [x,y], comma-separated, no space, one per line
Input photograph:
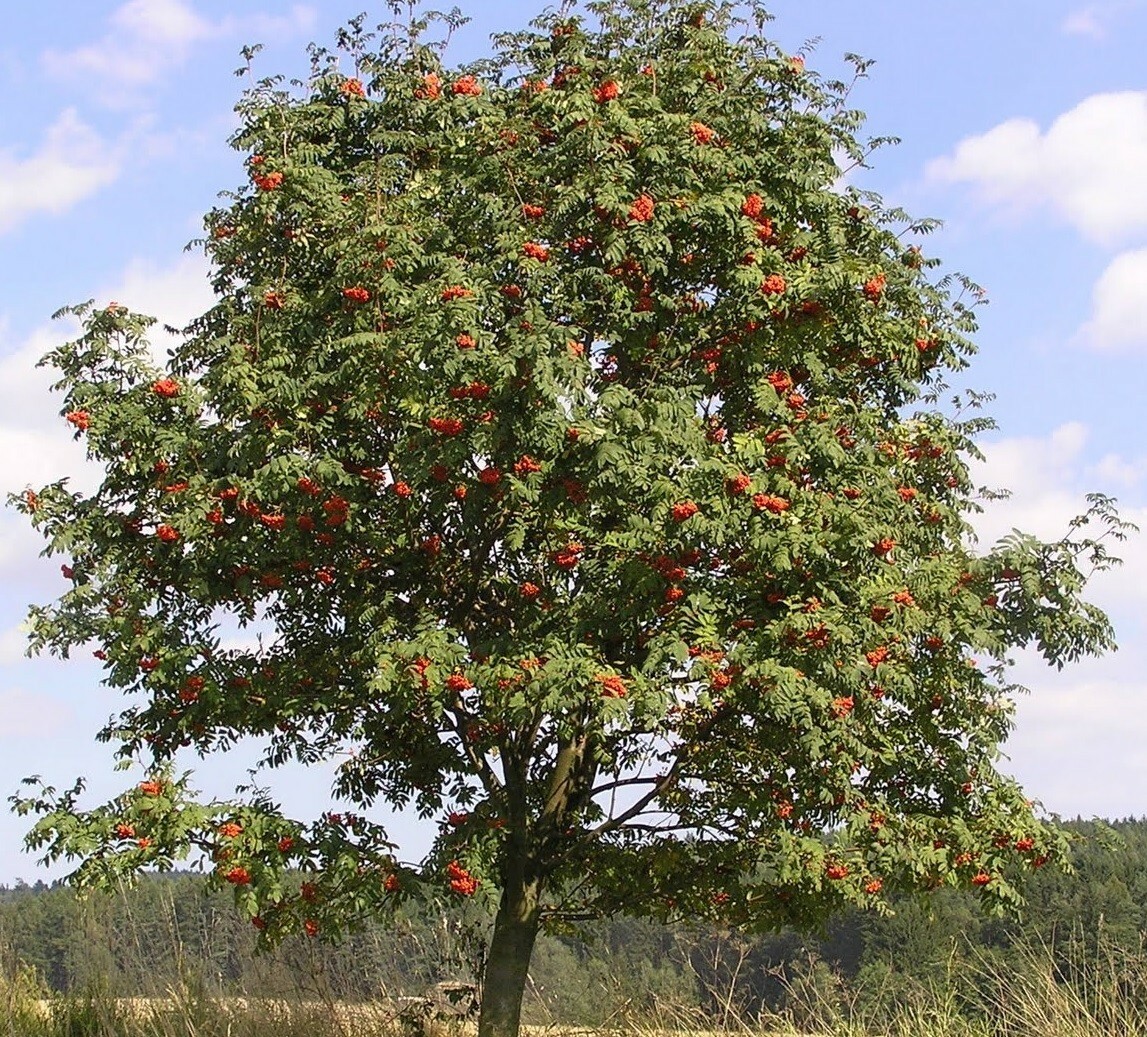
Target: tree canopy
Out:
[576,442]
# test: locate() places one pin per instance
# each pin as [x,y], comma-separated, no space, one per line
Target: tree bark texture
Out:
[508,958]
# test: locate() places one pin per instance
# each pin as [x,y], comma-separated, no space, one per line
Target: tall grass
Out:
[1074,994]
[1061,992]
[1065,991]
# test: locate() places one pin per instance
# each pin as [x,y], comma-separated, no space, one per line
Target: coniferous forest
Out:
[169,932]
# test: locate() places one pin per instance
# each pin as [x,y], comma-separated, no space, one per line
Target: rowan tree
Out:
[579,447]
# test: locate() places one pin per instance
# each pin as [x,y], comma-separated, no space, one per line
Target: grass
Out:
[181,1015]
[1104,995]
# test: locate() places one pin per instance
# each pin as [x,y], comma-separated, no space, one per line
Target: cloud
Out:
[174,294]
[23,386]
[1094,20]
[147,38]
[1079,739]
[36,446]
[1048,477]
[300,18]
[33,457]
[71,163]
[1119,305]
[1114,470]
[1078,744]
[1092,699]
[1087,167]
[1042,474]
[1083,23]
[13,644]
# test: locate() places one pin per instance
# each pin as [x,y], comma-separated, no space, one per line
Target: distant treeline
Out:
[169,932]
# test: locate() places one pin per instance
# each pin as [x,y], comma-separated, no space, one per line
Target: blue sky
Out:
[1023,126]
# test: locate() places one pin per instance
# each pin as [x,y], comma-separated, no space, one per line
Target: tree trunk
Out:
[508,959]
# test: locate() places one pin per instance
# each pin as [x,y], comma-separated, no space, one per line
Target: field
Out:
[169,958]
[1100,1001]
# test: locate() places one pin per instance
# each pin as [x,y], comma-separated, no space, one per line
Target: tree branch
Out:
[609,785]
[663,783]
[666,780]
[563,781]
[462,723]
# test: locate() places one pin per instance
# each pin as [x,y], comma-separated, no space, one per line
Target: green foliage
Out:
[570,445]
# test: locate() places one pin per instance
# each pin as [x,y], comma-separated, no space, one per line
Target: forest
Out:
[168,931]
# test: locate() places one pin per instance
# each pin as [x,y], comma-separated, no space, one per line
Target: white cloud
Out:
[1048,478]
[1079,737]
[1002,161]
[1119,304]
[1084,23]
[300,18]
[33,457]
[146,38]
[161,22]
[1087,167]
[13,645]
[71,163]
[1079,743]
[174,295]
[1040,474]
[1095,20]
[36,446]
[24,387]
[1114,470]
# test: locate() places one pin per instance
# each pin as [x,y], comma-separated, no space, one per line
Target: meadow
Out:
[1104,996]
[169,958]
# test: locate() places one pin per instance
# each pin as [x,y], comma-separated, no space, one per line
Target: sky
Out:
[1022,125]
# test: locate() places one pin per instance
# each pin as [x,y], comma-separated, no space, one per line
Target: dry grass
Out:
[1106,997]
[181,1015]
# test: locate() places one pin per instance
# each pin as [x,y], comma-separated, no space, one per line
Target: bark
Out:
[523,877]
[508,958]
